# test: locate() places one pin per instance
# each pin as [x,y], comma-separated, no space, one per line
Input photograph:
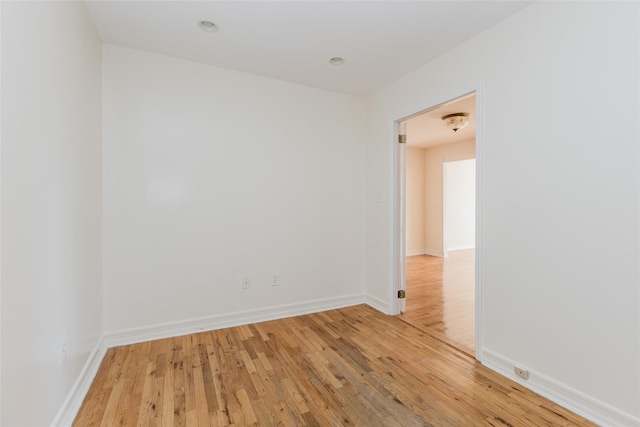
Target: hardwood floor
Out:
[441,297]
[347,367]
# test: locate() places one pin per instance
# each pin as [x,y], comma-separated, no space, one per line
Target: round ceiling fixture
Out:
[336,60]
[208,26]
[456,121]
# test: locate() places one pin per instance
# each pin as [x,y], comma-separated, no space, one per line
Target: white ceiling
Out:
[293,40]
[428,129]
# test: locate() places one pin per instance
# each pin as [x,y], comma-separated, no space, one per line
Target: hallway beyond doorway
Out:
[441,297]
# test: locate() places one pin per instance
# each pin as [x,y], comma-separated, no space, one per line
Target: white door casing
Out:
[398,209]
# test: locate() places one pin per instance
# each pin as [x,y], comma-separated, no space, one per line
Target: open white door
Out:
[400,153]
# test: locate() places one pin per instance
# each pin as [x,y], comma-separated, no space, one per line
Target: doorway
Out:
[436,262]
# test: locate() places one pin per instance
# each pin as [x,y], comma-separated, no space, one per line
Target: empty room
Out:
[202,213]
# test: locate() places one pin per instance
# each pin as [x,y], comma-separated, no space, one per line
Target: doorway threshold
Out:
[467,351]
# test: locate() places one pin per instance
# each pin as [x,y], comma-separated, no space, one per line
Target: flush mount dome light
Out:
[208,26]
[336,60]
[456,121]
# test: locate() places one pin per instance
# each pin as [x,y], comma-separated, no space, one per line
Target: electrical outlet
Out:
[246,283]
[275,279]
[521,372]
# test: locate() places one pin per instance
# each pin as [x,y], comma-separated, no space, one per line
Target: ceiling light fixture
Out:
[456,121]
[208,26]
[336,60]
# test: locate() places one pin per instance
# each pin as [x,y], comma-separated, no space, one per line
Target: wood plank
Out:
[200,388]
[168,403]
[179,400]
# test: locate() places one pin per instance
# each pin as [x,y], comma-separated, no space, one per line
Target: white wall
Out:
[415,201]
[212,175]
[459,205]
[51,204]
[560,254]
[434,185]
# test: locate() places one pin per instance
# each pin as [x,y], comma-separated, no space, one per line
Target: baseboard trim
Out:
[434,252]
[599,412]
[210,323]
[73,402]
[461,247]
[415,252]
[377,304]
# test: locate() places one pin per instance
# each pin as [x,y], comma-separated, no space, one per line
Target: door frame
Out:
[398,207]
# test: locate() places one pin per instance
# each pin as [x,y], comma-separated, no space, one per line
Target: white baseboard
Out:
[461,247]
[599,412]
[415,252]
[209,323]
[434,252]
[377,303]
[73,402]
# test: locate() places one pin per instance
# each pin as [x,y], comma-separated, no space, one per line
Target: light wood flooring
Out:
[346,367]
[441,297]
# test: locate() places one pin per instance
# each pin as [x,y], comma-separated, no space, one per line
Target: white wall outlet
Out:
[246,283]
[275,279]
[521,372]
